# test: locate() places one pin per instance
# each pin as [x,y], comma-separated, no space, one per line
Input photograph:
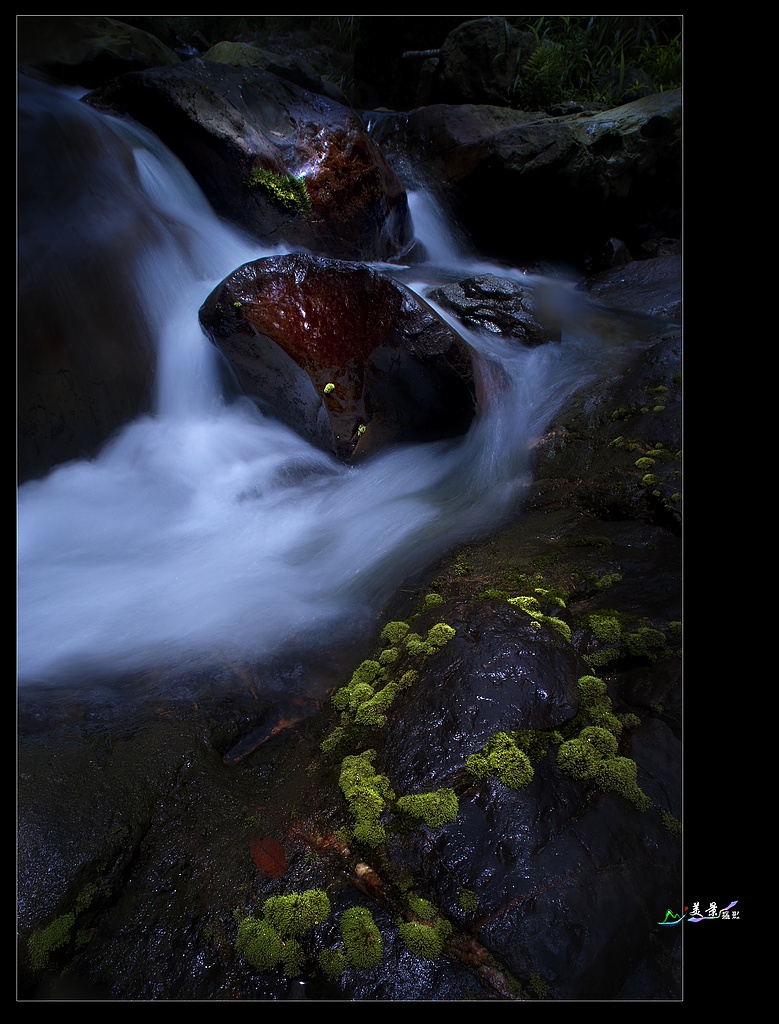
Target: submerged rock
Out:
[500,306]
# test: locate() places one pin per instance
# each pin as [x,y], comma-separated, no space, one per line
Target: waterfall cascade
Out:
[205,530]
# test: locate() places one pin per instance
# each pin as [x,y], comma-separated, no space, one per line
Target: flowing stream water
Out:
[206,530]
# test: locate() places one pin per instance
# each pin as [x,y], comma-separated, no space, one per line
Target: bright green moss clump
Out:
[422,939]
[531,607]
[360,687]
[592,755]
[364,697]
[394,633]
[596,704]
[272,940]
[646,643]
[605,627]
[366,793]
[437,636]
[293,958]
[373,710]
[580,757]
[618,775]
[42,944]
[333,962]
[259,944]
[436,809]
[362,939]
[284,190]
[295,914]
[427,934]
[503,758]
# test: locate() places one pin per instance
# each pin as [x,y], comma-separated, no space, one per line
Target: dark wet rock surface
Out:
[136,821]
[142,802]
[348,357]
[224,122]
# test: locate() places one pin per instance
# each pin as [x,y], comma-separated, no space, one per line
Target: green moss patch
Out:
[283,190]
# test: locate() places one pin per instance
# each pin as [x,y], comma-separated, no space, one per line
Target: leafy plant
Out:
[575,54]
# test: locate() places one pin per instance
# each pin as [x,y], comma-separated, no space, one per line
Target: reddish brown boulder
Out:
[324,184]
[348,357]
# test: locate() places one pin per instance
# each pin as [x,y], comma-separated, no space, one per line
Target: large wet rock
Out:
[291,66]
[527,185]
[351,359]
[87,49]
[229,123]
[482,61]
[85,360]
[616,452]
[566,878]
[651,287]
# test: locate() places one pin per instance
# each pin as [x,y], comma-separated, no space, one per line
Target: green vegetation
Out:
[538,987]
[42,944]
[671,823]
[394,633]
[259,944]
[585,58]
[284,190]
[362,939]
[606,627]
[437,636]
[509,756]
[504,759]
[468,901]
[272,940]
[366,794]
[592,755]
[436,809]
[366,698]
[608,580]
[333,962]
[427,933]
[293,915]
[529,603]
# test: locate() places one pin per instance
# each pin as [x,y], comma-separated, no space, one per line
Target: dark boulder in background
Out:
[85,364]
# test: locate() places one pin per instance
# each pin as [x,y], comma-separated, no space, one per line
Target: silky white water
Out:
[207,531]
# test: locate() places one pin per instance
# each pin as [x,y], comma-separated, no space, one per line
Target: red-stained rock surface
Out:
[292,326]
